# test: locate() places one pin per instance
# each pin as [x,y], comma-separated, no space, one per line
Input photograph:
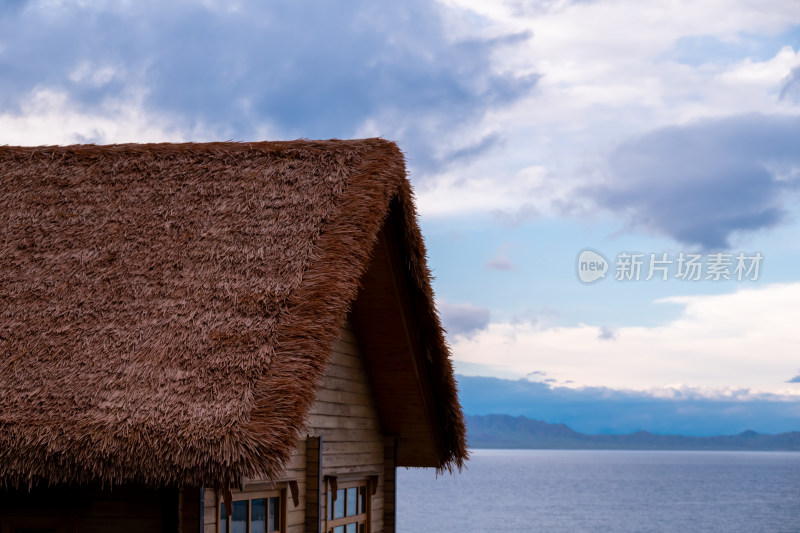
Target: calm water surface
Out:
[626,491]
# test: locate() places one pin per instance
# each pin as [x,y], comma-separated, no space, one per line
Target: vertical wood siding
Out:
[346,417]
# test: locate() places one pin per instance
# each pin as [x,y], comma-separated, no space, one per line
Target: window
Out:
[348,507]
[253,512]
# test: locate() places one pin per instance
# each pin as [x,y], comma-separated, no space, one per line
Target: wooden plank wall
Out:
[345,416]
[211,504]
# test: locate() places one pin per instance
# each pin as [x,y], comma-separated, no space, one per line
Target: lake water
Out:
[609,491]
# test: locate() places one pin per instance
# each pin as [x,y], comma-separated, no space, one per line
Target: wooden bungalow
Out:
[223,337]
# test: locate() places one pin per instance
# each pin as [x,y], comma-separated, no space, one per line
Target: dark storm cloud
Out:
[313,69]
[463,318]
[702,182]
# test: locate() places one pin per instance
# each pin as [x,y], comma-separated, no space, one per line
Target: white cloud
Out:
[47,116]
[94,76]
[608,74]
[483,189]
[743,340]
[453,194]
[685,392]
[758,80]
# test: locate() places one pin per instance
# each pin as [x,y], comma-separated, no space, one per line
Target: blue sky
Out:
[532,129]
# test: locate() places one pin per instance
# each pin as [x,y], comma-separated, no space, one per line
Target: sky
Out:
[661,137]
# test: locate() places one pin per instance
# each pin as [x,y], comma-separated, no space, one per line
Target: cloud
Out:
[463,319]
[484,191]
[604,410]
[474,150]
[50,117]
[611,71]
[711,344]
[515,217]
[607,334]
[791,86]
[536,318]
[702,182]
[316,70]
[537,376]
[795,379]
[500,261]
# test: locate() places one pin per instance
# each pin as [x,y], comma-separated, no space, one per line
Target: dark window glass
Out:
[274,514]
[361,528]
[258,518]
[362,500]
[239,517]
[352,501]
[223,519]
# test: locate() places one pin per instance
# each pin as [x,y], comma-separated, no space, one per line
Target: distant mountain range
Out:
[602,410]
[504,431]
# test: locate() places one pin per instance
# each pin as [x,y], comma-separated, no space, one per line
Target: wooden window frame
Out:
[365,517]
[255,495]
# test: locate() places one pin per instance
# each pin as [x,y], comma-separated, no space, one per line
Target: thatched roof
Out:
[167,310]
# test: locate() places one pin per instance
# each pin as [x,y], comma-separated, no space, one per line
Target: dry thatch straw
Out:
[167,310]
